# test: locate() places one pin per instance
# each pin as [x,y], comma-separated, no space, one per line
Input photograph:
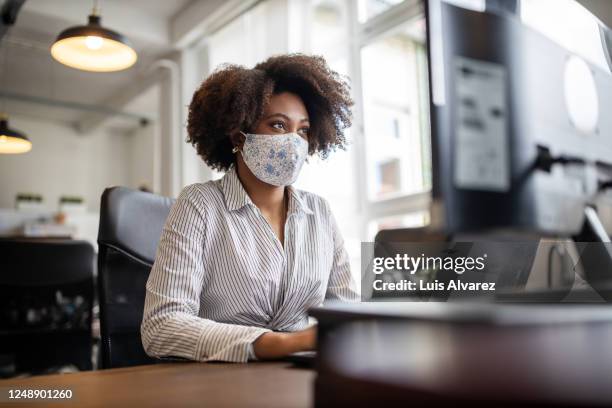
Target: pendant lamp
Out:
[11,140]
[94,48]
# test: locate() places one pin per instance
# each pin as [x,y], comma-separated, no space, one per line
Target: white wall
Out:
[63,162]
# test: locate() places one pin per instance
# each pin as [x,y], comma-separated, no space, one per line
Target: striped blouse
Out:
[222,278]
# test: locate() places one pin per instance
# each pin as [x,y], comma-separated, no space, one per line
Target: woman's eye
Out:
[278,125]
[304,131]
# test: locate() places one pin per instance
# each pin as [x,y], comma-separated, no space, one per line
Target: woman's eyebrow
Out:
[285,117]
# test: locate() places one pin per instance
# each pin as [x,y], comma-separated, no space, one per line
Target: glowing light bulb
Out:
[93,42]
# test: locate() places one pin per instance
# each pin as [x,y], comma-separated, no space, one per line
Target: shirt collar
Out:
[297,203]
[236,196]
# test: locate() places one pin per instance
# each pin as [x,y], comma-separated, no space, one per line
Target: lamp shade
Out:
[93,48]
[12,141]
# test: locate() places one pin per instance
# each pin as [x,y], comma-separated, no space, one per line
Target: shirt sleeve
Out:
[341,284]
[252,355]
[171,326]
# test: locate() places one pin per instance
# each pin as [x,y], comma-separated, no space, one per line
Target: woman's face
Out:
[284,113]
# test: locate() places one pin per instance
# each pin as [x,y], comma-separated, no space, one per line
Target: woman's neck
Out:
[268,198]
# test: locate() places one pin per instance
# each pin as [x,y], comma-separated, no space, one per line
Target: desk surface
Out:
[275,384]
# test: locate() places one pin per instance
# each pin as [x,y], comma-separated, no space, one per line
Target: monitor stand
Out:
[595,253]
[594,260]
[593,229]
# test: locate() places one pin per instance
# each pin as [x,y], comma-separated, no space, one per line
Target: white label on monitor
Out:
[481,144]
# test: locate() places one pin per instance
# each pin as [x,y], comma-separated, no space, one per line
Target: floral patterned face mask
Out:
[275,159]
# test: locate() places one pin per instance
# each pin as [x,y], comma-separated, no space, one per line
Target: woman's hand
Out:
[276,345]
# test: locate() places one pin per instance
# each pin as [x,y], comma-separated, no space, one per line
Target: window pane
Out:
[395,105]
[250,38]
[412,220]
[370,8]
[328,29]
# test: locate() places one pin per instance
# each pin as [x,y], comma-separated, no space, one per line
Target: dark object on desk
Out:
[46,297]
[378,339]
[131,223]
[305,359]
[335,314]
[477,365]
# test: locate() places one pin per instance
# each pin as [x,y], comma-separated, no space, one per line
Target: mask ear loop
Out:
[236,149]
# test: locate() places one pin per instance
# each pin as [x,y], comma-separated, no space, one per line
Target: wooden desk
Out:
[275,384]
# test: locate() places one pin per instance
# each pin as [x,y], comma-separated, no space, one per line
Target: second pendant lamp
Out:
[12,141]
[92,47]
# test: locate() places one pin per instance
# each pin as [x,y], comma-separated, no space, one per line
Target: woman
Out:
[242,259]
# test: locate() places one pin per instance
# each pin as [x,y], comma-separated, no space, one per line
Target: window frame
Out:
[361,35]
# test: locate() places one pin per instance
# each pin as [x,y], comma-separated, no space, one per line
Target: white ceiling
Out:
[159,8]
[28,68]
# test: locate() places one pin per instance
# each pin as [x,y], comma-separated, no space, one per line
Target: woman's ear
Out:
[237,138]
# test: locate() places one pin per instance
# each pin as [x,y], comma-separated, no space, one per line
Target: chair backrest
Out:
[46,297]
[131,223]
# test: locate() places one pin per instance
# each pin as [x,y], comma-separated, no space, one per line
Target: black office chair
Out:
[46,298]
[131,223]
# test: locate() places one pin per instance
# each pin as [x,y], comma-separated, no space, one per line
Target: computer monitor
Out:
[521,144]
[521,140]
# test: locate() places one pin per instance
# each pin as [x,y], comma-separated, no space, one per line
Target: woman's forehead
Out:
[288,104]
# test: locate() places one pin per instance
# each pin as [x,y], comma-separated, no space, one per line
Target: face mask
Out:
[275,159]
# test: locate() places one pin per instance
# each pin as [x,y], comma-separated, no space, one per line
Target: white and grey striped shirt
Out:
[222,278]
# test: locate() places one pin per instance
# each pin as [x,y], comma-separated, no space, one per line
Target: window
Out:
[395,112]
[249,39]
[372,8]
[395,152]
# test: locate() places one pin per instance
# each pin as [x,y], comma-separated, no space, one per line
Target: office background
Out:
[94,130]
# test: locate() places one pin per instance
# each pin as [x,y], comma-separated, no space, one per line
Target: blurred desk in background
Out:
[37,225]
